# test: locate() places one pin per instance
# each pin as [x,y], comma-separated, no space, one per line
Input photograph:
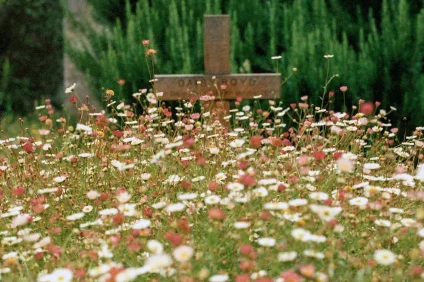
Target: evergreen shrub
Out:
[377,54]
[31,53]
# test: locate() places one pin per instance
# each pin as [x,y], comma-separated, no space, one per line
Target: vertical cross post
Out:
[217,50]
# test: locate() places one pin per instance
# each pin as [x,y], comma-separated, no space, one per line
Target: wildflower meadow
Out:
[140,191]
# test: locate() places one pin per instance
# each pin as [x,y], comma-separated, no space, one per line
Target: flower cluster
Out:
[289,194]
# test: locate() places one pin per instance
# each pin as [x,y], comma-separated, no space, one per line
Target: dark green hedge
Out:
[31,47]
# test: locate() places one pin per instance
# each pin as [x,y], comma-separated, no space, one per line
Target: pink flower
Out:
[343,88]
[146,42]
[303,105]
[308,270]
[206,98]
[367,108]
[303,160]
[21,219]
[291,276]
[216,213]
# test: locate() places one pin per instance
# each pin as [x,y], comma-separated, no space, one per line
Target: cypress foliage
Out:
[379,57]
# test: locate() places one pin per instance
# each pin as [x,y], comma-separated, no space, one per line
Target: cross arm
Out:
[224,87]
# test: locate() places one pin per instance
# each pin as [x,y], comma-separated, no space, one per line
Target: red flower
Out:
[265,279]
[255,141]
[216,213]
[73,99]
[246,249]
[54,250]
[243,165]
[118,133]
[118,219]
[242,278]
[291,276]
[174,239]
[184,225]
[308,270]
[367,108]
[319,156]
[186,184]
[247,180]
[134,246]
[18,191]
[337,155]
[265,215]
[213,186]
[115,239]
[28,147]
[38,255]
[147,212]
[282,187]
[247,265]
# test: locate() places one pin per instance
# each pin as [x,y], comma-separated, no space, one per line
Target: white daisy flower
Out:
[358,201]
[235,186]
[371,166]
[260,192]
[75,216]
[87,209]
[276,206]
[383,222]
[298,202]
[59,274]
[266,241]
[237,143]
[187,196]
[384,257]
[287,256]
[219,278]
[158,262]
[319,196]
[155,247]
[212,200]
[183,253]
[177,207]
[59,179]
[141,224]
[241,224]
[71,88]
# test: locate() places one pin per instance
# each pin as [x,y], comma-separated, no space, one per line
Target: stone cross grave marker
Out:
[217,72]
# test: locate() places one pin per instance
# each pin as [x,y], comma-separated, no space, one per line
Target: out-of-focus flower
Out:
[183,253]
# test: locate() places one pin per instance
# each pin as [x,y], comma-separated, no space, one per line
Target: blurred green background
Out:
[377,47]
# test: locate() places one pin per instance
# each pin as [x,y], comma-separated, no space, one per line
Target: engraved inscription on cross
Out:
[217,80]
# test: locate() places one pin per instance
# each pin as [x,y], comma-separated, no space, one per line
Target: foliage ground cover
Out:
[137,192]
